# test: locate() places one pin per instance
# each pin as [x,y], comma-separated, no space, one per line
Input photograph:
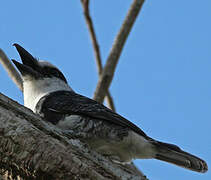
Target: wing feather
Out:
[69,102]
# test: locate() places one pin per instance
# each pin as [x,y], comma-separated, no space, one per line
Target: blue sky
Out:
[163,79]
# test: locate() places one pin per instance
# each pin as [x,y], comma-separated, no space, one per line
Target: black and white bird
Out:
[47,93]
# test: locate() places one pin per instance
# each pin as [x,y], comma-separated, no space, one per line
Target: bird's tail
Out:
[173,154]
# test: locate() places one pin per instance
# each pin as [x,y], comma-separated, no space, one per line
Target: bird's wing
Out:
[68,102]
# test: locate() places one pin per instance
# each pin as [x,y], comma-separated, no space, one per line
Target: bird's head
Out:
[39,77]
[31,68]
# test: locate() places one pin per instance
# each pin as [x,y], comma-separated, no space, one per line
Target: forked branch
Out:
[90,26]
[110,66]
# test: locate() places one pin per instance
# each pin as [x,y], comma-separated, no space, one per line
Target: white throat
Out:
[33,89]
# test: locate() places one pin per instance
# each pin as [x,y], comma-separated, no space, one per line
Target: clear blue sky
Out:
[163,79]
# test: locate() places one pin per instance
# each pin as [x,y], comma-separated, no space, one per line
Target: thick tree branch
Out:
[109,69]
[33,149]
[12,72]
[90,26]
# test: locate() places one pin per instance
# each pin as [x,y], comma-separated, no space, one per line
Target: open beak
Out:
[25,70]
[30,64]
[26,57]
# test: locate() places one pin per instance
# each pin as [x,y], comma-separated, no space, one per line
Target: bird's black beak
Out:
[25,70]
[26,57]
[30,64]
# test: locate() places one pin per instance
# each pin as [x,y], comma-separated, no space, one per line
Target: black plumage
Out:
[71,103]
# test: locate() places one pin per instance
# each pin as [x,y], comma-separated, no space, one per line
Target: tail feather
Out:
[173,154]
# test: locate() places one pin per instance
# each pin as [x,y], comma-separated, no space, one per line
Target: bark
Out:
[31,148]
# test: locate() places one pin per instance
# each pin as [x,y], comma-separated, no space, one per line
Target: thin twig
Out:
[12,72]
[109,69]
[85,4]
[90,26]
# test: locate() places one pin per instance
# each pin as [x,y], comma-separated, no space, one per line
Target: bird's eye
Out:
[58,74]
[53,72]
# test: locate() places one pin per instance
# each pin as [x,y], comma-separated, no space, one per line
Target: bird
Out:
[47,93]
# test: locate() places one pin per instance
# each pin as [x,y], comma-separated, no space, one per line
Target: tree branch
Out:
[90,26]
[109,69]
[34,149]
[12,72]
